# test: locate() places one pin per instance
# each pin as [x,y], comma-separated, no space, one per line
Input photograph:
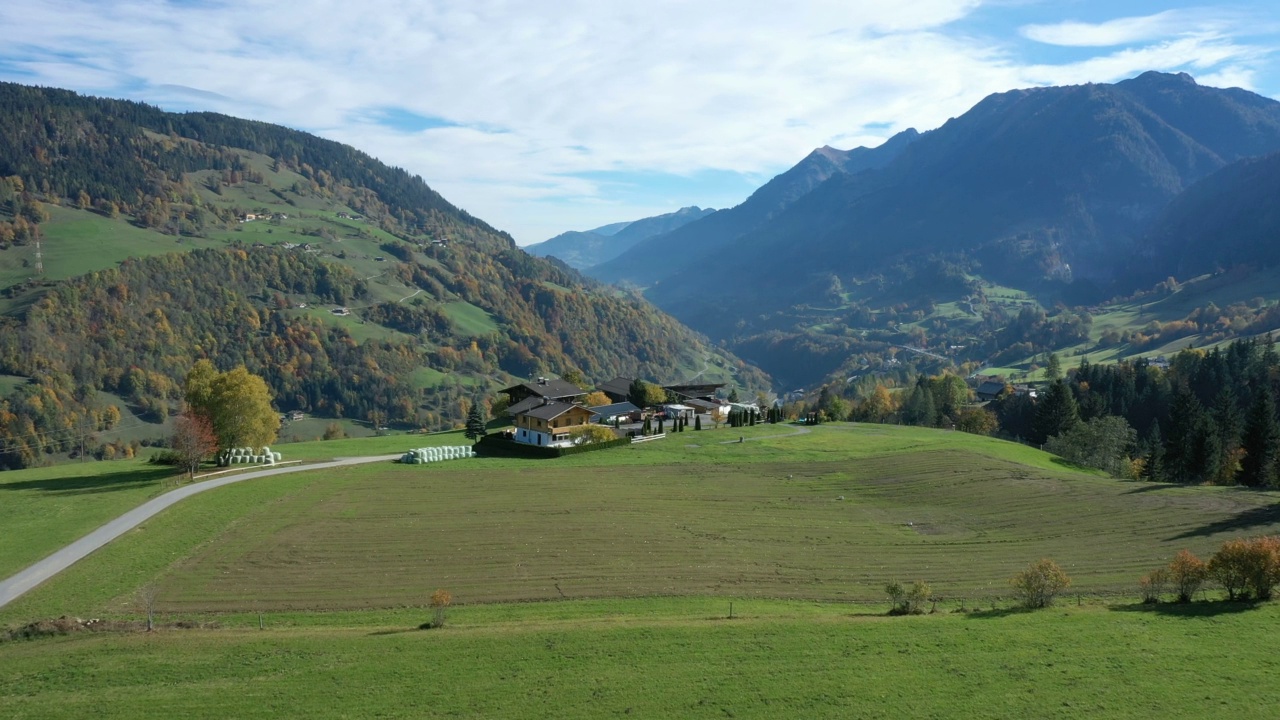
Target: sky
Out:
[542,117]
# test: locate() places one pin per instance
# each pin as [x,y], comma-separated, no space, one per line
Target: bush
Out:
[907,601]
[1040,583]
[1247,568]
[1152,585]
[166,457]
[1188,573]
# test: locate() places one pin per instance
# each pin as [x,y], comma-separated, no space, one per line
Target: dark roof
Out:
[617,386]
[694,389]
[614,409]
[548,388]
[702,404]
[991,387]
[550,410]
[532,401]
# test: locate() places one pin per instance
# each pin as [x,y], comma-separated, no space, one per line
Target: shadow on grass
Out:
[1244,520]
[997,613]
[1146,487]
[85,485]
[403,631]
[1202,609]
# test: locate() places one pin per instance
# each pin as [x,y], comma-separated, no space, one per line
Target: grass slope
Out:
[684,516]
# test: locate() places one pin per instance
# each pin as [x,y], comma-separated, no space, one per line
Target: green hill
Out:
[135,241]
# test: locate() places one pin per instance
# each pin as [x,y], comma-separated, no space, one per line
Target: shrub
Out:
[1188,573]
[1040,583]
[1246,568]
[1153,584]
[907,600]
[440,600]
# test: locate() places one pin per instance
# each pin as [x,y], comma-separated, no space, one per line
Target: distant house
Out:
[706,407]
[248,217]
[296,415]
[341,311]
[344,215]
[548,422]
[622,412]
[694,390]
[990,389]
[617,389]
[679,410]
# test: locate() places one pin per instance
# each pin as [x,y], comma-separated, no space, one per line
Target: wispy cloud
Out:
[516,110]
[1126,30]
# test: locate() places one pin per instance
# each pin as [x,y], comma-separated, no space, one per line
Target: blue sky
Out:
[567,115]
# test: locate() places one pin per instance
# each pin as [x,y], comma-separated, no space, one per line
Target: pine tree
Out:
[1261,434]
[475,421]
[1056,413]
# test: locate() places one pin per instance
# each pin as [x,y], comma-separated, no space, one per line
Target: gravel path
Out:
[13,587]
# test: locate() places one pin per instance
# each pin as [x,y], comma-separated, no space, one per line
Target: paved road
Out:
[14,587]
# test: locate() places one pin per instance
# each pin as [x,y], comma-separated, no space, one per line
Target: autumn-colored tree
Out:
[587,434]
[193,441]
[1040,583]
[1188,573]
[1152,585]
[440,601]
[596,399]
[237,404]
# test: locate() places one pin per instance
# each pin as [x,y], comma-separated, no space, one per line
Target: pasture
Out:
[600,584]
[829,515]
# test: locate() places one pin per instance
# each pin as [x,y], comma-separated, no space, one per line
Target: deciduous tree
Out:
[1040,583]
[193,440]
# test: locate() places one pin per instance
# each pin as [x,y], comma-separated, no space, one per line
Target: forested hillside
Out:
[351,286]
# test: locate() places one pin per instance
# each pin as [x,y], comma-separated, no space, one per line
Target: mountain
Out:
[581,250]
[1228,219]
[135,241]
[1043,192]
[696,245]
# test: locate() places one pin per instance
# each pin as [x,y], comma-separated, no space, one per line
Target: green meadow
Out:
[602,584]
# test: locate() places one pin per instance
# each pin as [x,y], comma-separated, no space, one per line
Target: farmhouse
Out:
[691,391]
[548,422]
[990,389]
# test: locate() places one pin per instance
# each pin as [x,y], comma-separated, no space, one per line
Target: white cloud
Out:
[541,92]
[1120,31]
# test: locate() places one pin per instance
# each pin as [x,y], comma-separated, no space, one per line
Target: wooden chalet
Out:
[547,422]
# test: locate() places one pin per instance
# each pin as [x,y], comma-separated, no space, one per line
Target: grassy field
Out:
[828,515]
[636,554]
[669,658]
[42,509]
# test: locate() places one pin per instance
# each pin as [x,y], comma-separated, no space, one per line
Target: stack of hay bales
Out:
[425,455]
[249,456]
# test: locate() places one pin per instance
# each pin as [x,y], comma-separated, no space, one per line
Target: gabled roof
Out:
[621,408]
[548,388]
[528,403]
[551,409]
[617,386]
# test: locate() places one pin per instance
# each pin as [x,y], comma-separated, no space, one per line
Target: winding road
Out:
[13,587]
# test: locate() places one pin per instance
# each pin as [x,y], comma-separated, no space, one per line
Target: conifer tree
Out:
[475,421]
[1261,434]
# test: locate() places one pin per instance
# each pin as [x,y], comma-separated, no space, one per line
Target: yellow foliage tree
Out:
[237,404]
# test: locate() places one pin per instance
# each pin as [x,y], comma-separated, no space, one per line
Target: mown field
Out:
[600,584]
